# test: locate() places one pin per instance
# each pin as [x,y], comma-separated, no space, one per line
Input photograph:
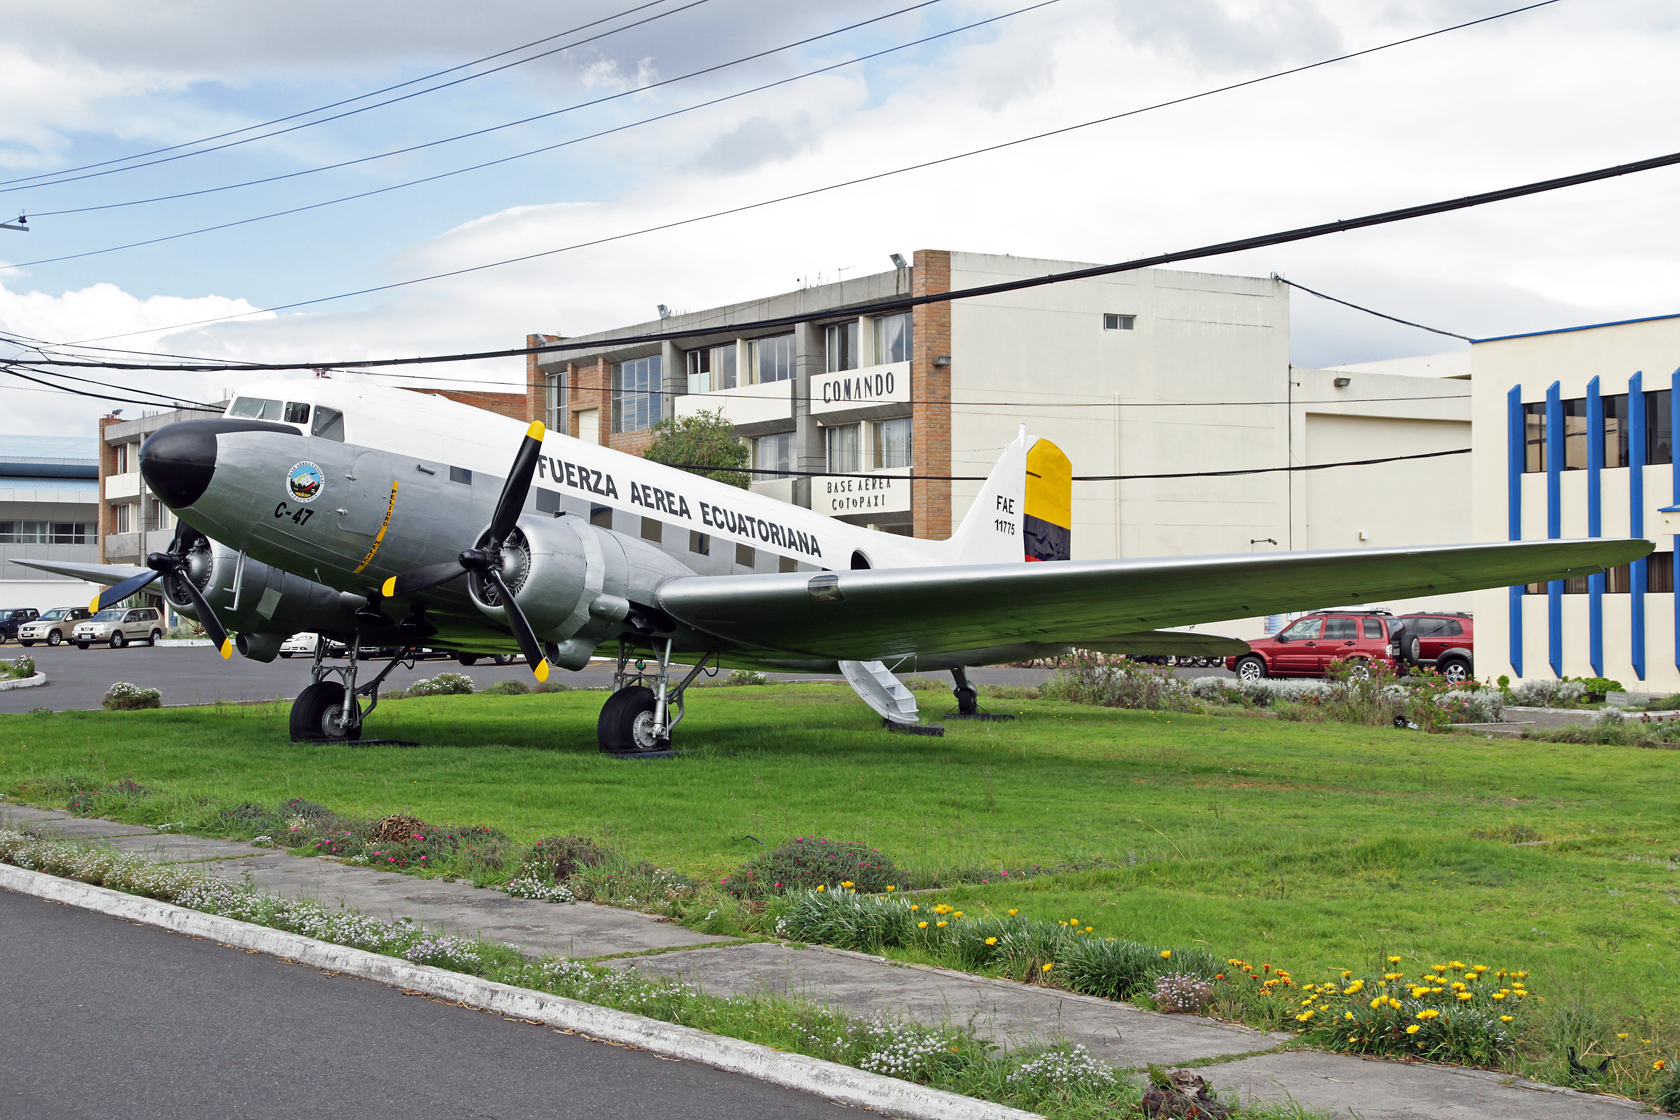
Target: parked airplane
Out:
[383,516]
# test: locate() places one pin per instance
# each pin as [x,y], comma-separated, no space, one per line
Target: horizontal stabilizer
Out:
[107,574]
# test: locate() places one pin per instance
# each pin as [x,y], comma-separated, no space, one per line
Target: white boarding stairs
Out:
[876,686]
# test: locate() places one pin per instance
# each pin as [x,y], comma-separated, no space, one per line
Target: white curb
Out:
[36,681]
[834,1082]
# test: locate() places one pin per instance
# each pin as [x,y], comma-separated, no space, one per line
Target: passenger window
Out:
[461,475]
[1339,628]
[1306,628]
[1452,630]
[255,408]
[297,412]
[329,424]
[1373,628]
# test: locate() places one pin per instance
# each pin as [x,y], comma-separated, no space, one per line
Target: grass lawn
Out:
[1310,846]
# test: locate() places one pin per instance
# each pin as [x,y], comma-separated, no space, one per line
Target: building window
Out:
[637,395]
[711,368]
[843,457]
[745,555]
[45,532]
[1659,579]
[554,402]
[773,453]
[461,475]
[653,530]
[841,341]
[1119,322]
[699,543]
[891,440]
[1615,430]
[1659,429]
[772,358]
[1534,437]
[1575,434]
[121,518]
[1659,573]
[892,339]
[121,458]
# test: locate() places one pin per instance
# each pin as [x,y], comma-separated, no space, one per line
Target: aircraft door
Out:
[367,498]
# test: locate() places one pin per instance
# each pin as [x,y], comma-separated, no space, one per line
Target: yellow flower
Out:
[1413,1029]
[821,887]
[891,889]
[1347,1014]
[1471,975]
[1659,1064]
[1047,967]
[958,914]
[1166,954]
[1466,995]
[921,925]
[1376,1003]
[1012,913]
[915,906]
[1090,929]
[941,925]
[1622,1035]
[991,941]
[1498,995]
[1393,960]
[1455,964]
[1346,974]
[846,883]
[1506,1018]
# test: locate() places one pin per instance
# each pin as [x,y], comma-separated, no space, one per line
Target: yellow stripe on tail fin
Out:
[1047,522]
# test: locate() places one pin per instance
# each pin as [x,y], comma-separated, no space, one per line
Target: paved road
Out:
[78,678]
[107,1019]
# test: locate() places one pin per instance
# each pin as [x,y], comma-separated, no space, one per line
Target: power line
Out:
[339,116]
[8,368]
[906,303]
[1368,311]
[834,186]
[1077,477]
[502,159]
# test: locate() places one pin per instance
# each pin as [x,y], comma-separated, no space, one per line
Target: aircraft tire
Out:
[313,709]
[617,730]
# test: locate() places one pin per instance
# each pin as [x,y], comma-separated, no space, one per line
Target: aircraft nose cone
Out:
[178,461]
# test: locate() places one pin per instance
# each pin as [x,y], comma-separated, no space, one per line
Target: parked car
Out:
[493,658]
[53,627]
[13,618]
[120,626]
[1441,640]
[1310,645]
[305,643]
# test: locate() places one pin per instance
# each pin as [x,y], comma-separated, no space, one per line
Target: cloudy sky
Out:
[86,86]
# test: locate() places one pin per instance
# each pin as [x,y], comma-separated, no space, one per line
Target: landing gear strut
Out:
[330,710]
[968,699]
[637,718]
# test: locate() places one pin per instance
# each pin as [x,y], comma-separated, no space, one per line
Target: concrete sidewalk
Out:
[1008,1013]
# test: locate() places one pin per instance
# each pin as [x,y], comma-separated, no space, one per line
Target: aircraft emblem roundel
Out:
[305,482]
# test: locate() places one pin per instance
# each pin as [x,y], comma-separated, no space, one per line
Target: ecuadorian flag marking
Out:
[1047,519]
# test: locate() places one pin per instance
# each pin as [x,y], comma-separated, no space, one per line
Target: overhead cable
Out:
[905,303]
[1078,477]
[833,186]
[1368,311]
[338,116]
[8,368]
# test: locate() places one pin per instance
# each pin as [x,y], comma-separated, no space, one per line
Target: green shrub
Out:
[1118,969]
[107,798]
[558,858]
[1667,1096]
[444,684]
[1115,681]
[1598,687]
[847,920]
[1453,1013]
[19,668]
[744,677]
[512,686]
[810,861]
[125,697]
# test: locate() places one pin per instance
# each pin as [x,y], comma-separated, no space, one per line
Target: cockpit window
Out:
[255,408]
[329,424]
[297,412]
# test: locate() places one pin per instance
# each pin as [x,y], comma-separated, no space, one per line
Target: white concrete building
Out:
[1573,435]
[49,503]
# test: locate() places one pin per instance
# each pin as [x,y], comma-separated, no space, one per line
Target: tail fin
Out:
[1023,512]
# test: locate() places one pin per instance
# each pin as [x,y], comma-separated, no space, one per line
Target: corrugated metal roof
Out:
[66,449]
[79,486]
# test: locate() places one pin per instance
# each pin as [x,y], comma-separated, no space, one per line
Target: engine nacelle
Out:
[576,583]
[249,598]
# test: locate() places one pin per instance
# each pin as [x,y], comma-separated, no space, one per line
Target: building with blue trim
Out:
[1573,436]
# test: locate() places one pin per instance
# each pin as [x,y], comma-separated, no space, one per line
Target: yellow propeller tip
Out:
[541,671]
[536,430]
[93,604]
[389,587]
[227,648]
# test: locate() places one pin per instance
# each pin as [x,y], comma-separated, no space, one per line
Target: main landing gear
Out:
[968,699]
[331,710]
[637,718]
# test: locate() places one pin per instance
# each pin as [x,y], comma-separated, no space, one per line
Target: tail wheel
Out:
[626,723]
[1251,668]
[318,715]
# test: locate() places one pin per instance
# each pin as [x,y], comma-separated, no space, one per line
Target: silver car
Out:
[53,627]
[119,626]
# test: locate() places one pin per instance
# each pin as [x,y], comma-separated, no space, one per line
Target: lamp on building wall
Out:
[899,262]
[942,362]
[664,312]
[1342,382]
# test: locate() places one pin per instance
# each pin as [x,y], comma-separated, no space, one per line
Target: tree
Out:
[705,439]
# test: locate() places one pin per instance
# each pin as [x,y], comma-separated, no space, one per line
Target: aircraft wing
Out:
[881,614]
[108,574]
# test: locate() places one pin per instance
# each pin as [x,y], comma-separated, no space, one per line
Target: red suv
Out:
[1442,640]
[1308,646]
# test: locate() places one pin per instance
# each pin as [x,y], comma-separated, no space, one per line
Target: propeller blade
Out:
[518,484]
[422,579]
[207,617]
[117,592]
[521,628]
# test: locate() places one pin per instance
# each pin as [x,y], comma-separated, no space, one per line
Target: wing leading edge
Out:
[886,613]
